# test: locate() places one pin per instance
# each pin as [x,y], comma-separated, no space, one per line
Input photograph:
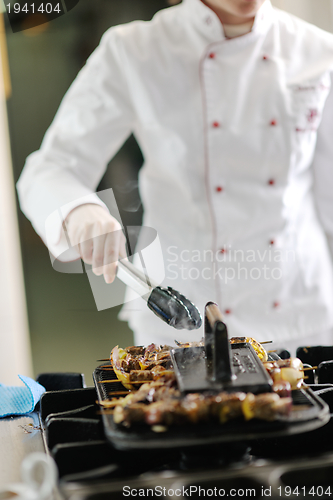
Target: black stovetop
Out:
[91,468]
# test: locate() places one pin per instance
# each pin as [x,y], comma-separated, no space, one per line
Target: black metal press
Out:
[219,365]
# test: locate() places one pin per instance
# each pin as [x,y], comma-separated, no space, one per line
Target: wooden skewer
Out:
[309,368]
[140,381]
[104,366]
[266,342]
[119,393]
[109,404]
[275,350]
[106,359]
[116,380]
[109,381]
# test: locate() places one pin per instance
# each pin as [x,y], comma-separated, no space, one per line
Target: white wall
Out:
[319,12]
[15,356]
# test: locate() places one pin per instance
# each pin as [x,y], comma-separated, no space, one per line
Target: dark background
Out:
[67,331]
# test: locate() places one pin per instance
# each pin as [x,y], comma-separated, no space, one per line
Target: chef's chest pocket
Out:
[307,104]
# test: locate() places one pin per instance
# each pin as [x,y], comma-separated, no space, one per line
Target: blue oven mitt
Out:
[20,400]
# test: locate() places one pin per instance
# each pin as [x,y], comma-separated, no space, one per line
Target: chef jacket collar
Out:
[210,25]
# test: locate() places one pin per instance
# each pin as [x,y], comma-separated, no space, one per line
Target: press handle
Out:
[217,346]
[213,314]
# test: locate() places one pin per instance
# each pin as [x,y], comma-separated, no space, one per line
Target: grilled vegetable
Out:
[287,370]
[116,357]
[140,364]
[259,350]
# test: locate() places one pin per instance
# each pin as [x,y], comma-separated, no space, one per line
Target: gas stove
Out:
[90,468]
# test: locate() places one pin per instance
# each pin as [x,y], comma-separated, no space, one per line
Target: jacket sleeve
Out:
[94,119]
[323,170]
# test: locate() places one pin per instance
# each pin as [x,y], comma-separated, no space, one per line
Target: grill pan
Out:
[212,368]
[142,437]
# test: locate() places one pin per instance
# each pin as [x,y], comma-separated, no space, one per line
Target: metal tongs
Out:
[168,304]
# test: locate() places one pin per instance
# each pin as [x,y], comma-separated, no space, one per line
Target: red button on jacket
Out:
[211,55]
[219,189]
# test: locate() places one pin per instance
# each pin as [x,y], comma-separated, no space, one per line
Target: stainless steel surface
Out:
[19,436]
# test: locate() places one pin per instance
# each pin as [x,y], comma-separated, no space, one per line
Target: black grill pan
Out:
[142,437]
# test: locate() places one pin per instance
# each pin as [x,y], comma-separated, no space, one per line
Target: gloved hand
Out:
[98,237]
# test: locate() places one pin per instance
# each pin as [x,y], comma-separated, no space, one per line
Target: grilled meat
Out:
[167,407]
[265,406]
[159,402]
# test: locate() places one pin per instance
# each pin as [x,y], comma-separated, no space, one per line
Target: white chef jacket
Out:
[238,175]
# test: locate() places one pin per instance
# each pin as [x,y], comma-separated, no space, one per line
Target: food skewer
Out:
[116,380]
[109,381]
[119,393]
[109,404]
[127,406]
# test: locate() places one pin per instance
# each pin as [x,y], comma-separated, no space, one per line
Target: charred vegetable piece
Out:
[260,351]
[287,370]
[130,364]
[116,357]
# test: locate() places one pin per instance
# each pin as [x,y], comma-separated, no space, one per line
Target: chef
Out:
[230,102]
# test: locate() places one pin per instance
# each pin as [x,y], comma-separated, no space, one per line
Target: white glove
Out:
[98,237]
